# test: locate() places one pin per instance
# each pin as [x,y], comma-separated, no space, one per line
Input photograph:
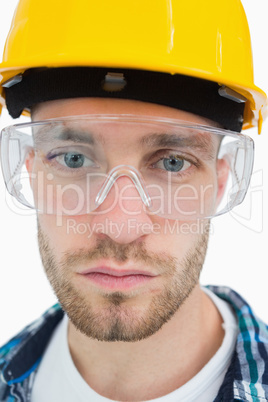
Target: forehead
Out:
[84,106]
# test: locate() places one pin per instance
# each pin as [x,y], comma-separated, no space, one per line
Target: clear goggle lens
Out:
[90,164]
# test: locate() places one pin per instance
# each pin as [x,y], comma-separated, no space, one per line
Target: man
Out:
[134,142]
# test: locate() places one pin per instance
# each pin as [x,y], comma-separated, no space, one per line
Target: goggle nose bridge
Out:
[119,171]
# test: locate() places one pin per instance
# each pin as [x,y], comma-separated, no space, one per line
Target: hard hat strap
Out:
[190,94]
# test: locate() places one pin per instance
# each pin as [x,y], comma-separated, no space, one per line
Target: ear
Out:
[29,161]
[223,170]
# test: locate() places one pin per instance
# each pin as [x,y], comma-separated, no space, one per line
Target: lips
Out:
[115,272]
[111,278]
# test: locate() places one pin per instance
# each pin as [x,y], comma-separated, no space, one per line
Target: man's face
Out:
[132,274]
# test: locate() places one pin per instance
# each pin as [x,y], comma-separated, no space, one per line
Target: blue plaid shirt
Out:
[245,380]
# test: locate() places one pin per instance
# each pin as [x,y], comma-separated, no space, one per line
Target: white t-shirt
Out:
[58,380]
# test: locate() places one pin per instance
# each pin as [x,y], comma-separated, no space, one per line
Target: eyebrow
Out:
[165,139]
[201,142]
[76,136]
[67,135]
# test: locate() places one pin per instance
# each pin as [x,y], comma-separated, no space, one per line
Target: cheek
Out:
[170,237]
[66,233]
[176,238]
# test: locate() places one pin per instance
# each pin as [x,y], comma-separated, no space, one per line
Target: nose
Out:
[122,214]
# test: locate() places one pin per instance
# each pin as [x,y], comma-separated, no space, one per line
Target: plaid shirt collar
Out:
[246,378]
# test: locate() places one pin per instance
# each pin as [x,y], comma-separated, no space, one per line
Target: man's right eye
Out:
[71,160]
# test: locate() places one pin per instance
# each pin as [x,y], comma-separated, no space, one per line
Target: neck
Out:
[119,370]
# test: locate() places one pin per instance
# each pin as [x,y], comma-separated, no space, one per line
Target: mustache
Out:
[120,253]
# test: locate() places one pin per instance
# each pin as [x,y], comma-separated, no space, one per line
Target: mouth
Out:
[115,279]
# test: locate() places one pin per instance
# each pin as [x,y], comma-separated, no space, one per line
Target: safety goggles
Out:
[95,163]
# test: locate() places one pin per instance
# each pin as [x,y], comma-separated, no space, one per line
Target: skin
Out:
[123,341]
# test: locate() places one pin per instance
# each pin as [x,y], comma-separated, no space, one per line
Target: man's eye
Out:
[173,163]
[74,160]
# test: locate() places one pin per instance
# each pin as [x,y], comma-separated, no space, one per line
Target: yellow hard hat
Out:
[208,40]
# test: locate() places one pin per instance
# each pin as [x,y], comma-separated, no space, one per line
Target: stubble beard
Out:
[115,319]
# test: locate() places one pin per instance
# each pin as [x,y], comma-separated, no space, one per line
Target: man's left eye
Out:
[173,163]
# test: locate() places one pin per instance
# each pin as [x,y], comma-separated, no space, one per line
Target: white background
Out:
[237,254]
